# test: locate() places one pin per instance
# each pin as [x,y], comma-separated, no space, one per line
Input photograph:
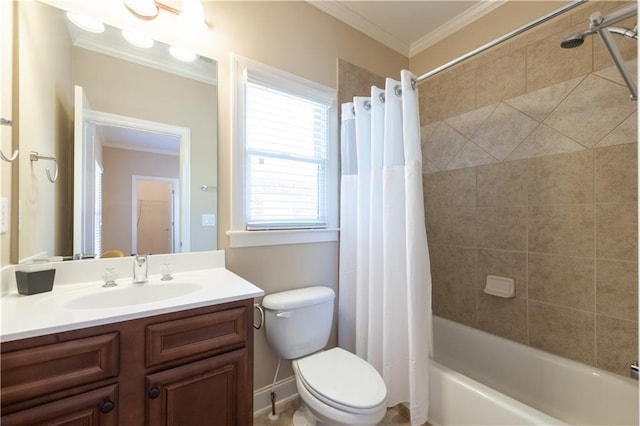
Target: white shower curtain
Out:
[385,283]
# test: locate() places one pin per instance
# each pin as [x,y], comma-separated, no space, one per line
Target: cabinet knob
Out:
[154,392]
[107,406]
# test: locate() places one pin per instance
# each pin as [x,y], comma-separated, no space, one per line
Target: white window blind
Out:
[97,224]
[286,143]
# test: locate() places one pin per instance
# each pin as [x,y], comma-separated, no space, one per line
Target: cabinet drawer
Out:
[171,340]
[33,372]
[95,408]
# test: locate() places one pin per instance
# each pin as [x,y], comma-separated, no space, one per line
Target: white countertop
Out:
[56,311]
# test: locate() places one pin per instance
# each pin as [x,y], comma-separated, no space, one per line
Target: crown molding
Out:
[448,28]
[341,12]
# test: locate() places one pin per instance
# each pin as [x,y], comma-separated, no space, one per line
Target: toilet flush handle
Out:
[283,314]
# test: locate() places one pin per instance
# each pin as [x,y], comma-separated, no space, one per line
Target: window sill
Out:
[279,237]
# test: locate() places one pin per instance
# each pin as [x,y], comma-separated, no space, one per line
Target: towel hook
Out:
[9,159]
[34,156]
[6,122]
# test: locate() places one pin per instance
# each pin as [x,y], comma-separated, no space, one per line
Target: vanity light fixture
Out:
[191,16]
[143,9]
[86,23]
[138,39]
[182,54]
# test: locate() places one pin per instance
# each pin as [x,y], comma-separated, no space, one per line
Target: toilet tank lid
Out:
[298,298]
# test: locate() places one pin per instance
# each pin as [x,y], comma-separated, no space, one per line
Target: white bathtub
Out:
[519,385]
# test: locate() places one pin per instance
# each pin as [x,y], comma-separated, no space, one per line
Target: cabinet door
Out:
[94,408]
[210,392]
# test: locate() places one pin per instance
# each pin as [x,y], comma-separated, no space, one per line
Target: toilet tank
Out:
[298,322]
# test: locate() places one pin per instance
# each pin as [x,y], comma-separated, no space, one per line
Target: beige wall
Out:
[6,98]
[45,114]
[136,91]
[531,173]
[298,38]
[119,166]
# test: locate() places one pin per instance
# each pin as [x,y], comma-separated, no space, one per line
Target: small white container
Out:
[500,287]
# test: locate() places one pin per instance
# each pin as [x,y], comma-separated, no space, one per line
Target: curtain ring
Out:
[381,97]
[353,110]
[397,90]
[414,83]
[367,105]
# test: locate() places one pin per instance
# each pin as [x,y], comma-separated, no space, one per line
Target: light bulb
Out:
[138,39]
[182,54]
[145,9]
[86,23]
[192,15]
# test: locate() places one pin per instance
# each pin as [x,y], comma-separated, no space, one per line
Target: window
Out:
[285,158]
[97,222]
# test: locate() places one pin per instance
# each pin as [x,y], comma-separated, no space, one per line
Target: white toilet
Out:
[336,386]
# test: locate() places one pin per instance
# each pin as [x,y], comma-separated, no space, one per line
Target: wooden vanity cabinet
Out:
[185,368]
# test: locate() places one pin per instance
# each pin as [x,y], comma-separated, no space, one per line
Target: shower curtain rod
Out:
[518,31]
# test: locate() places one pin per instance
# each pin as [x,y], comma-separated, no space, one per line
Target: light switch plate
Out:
[4,215]
[209,219]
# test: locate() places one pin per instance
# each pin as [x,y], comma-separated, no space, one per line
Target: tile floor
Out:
[394,416]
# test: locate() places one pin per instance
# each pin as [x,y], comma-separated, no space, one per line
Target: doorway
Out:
[154,202]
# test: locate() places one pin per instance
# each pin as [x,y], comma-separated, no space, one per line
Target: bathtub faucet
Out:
[633,370]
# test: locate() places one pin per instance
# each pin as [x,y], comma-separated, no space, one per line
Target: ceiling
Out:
[407,26]
[139,140]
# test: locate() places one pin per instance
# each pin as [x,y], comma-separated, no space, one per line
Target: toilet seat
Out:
[342,380]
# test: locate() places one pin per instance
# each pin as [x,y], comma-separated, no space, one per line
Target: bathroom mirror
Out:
[134,134]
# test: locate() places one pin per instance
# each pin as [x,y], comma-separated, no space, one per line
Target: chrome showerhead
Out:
[577,39]
[574,40]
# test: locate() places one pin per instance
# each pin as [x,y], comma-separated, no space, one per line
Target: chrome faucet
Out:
[140,267]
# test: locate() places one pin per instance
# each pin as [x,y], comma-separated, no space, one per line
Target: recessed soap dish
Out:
[500,287]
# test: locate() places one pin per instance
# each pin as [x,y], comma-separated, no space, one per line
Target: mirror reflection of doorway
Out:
[121,147]
[155,201]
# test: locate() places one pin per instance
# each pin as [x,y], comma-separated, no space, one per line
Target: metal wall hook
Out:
[34,156]
[205,187]
[9,159]
[5,122]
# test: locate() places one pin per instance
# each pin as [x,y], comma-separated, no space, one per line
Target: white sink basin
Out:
[136,294]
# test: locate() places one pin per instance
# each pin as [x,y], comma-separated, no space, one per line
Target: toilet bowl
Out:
[336,387]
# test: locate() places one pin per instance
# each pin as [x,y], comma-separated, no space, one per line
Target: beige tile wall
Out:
[564,227]
[530,172]
[355,81]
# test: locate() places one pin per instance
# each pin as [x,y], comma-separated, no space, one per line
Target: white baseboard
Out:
[285,390]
